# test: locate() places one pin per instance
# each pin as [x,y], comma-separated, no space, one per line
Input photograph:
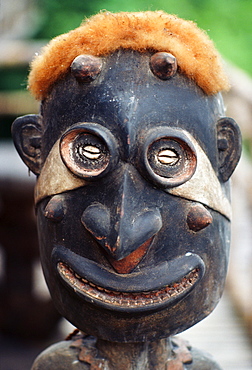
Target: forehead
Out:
[127,98]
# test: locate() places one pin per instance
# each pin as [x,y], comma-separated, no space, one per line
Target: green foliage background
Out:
[228,22]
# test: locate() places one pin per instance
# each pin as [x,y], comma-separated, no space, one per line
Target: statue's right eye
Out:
[86,152]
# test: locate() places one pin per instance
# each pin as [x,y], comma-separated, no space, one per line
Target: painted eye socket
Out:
[169,157]
[89,154]
[86,150]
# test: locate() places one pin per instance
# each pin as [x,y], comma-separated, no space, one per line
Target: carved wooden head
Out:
[133,160]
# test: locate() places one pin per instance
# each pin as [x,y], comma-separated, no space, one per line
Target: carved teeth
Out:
[100,288]
[127,299]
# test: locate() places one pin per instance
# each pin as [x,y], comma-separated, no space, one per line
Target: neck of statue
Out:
[131,356]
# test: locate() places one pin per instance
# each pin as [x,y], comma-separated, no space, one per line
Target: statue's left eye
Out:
[85,153]
[168,157]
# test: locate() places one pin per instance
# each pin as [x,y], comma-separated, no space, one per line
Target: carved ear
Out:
[229,146]
[27,133]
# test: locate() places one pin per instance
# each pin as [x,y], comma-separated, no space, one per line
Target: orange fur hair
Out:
[106,32]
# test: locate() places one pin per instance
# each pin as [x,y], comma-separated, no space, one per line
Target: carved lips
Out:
[149,289]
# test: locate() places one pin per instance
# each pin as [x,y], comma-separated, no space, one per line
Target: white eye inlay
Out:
[167,156]
[90,152]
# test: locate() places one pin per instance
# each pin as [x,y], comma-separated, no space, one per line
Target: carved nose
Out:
[126,229]
[127,246]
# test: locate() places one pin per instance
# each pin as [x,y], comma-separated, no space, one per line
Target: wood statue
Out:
[133,154]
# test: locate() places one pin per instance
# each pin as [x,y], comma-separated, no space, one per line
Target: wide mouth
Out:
[150,289]
[127,299]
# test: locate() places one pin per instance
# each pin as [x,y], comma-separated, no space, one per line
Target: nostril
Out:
[96,219]
[145,226]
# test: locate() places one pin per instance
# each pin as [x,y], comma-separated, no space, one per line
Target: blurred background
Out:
[28,320]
